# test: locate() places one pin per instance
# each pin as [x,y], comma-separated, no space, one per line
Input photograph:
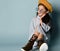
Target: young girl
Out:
[40,26]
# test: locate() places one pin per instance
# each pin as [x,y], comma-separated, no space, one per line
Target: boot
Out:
[40,42]
[30,43]
[43,47]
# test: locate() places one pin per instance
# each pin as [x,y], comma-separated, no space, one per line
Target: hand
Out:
[42,16]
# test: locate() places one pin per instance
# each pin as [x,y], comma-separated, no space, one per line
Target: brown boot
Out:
[30,43]
[40,42]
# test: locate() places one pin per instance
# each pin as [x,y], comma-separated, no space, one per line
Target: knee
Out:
[41,36]
[43,47]
[36,33]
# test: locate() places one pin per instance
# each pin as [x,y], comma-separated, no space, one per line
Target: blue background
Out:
[15,18]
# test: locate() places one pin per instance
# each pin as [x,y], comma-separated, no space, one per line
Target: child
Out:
[39,27]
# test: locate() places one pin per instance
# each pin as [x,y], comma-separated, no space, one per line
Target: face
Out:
[41,10]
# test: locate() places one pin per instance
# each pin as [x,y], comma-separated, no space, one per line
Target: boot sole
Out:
[22,50]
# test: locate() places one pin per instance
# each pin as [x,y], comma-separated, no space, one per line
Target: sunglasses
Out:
[42,11]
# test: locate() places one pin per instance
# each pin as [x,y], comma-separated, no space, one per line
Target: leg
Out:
[41,36]
[41,44]
[30,43]
[40,40]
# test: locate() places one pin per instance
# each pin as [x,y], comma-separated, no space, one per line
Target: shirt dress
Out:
[43,29]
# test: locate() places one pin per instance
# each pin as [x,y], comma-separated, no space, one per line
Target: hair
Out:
[47,17]
[43,5]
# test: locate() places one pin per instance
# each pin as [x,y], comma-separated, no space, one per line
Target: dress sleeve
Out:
[31,28]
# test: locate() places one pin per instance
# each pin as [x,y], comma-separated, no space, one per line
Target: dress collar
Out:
[38,17]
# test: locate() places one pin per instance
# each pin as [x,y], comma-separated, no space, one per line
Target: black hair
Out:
[46,19]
